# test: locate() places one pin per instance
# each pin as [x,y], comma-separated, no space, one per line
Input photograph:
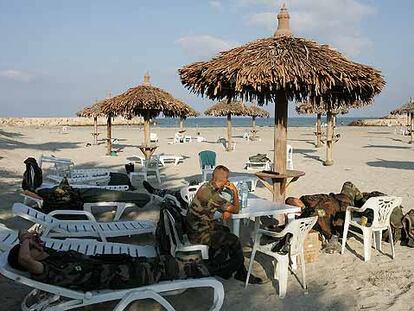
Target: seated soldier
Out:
[225,251]
[74,270]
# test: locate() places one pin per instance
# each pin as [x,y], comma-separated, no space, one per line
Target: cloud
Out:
[204,46]
[16,75]
[217,5]
[337,22]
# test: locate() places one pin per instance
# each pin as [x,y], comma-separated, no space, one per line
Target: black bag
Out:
[32,177]
[161,237]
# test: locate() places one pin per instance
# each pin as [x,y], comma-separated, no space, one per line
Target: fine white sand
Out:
[372,158]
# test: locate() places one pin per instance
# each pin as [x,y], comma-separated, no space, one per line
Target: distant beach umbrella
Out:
[279,69]
[408,110]
[227,108]
[256,112]
[307,108]
[94,112]
[143,100]
[185,112]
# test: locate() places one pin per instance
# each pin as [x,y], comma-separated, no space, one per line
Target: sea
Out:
[246,122]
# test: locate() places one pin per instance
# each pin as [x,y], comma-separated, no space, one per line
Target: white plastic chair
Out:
[298,228]
[183,245]
[178,138]
[148,166]
[51,297]
[188,193]
[54,227]
[153,137]
[382,208]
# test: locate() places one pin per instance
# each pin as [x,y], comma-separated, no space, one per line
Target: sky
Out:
[57,57]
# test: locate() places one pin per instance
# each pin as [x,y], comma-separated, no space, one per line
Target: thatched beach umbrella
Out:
[306,108]
[279,69]
[94,112]
[407,109]
[185,112]
[143,100]
[256,112]
[226,108]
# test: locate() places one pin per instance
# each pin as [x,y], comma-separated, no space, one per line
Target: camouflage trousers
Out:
[225,253]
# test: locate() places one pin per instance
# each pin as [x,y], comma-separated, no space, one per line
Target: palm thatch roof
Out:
[143,100]
[255,111]
[93,111]
[407,108]
[303,69]
[224,108]
[307,108]
[184,111]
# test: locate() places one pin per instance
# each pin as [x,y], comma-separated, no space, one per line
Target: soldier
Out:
[74,270]
[225,251]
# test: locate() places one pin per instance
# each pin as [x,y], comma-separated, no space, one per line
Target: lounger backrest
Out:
[8,238]
[299,228]
[382,207]
[32,214]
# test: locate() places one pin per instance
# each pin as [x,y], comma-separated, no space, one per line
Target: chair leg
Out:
[391,242]
[283,269]
[250,266]
[302,261]
[378,238]
[367,233]
[345,233]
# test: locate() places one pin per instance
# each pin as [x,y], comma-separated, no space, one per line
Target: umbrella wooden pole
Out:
[280,145]
[146,130]
[329,140]
[95,130]
[318,130]
[108,135]
[412,128]
[181,123]
[254,127]
[229,142]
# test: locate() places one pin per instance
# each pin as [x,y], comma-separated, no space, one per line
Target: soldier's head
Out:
[220,176]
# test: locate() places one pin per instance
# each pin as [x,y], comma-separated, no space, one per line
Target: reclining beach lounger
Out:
[48,297]
[54,227]
[65,166]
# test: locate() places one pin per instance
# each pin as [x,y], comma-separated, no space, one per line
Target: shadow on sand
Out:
[402,165]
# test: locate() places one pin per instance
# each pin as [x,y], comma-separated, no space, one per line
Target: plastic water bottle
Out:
[244,192]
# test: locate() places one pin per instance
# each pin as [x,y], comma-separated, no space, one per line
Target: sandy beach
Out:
[374,158]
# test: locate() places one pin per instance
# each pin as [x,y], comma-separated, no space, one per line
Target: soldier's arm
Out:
[25,259]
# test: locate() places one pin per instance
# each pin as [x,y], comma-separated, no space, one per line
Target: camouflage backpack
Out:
[408,225]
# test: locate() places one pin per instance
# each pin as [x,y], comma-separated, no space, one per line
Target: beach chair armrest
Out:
[273,234]
[356,209]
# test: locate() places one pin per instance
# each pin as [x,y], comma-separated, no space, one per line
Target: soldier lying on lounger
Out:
[331,208]
[74,270]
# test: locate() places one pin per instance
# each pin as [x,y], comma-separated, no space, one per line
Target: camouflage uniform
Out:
[74,270]
[225,251]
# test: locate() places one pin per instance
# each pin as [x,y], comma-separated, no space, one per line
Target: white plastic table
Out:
[257,207]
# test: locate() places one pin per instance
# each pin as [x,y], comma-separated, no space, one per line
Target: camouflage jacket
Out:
[200,216]
[74,270]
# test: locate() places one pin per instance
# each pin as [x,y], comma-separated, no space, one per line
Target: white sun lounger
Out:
[168,158]
[54,298]
[54,227]
[94,180]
